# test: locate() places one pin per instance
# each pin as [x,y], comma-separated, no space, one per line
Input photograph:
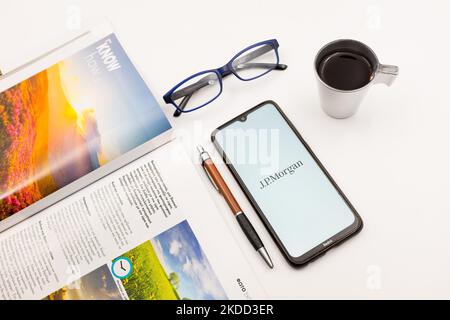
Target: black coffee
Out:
[345,70]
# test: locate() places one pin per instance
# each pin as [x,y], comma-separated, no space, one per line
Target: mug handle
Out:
[386,74]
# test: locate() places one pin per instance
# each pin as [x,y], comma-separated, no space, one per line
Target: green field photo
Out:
[171,266]
[148,280]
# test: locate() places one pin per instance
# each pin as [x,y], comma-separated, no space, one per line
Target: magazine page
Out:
[147,231]
[85,113]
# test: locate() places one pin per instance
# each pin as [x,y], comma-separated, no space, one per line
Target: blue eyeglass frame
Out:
[224,71]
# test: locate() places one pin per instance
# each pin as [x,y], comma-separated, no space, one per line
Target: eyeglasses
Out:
[204,87]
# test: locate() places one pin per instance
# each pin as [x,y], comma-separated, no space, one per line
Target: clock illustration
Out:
[122,267]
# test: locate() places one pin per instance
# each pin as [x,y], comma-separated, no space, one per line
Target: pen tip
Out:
[263,252]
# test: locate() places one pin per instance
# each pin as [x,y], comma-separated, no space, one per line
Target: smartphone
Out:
[294,195]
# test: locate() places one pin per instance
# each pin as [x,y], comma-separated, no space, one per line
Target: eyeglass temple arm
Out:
[262,65]
[253,54]
[182,105]
[189,90]
[241,63]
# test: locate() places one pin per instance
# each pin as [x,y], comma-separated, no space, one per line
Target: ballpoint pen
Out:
[220,185]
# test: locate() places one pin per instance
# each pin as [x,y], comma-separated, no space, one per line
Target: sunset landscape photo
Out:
[70,119]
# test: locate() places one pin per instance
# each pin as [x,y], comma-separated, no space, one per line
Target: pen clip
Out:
[211,179]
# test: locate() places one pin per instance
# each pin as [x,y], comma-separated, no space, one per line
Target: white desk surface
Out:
[391,159]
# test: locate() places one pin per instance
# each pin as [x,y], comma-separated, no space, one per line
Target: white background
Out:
[391,159]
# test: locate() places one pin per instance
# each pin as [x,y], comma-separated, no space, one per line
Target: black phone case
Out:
[321,248]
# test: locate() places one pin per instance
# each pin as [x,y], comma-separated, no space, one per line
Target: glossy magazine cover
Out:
[69,120]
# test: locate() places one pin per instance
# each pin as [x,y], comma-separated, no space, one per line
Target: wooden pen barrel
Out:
[223,188]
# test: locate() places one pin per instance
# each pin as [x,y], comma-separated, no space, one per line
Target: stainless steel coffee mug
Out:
[345,71]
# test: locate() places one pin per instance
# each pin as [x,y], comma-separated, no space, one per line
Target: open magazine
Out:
[102,217]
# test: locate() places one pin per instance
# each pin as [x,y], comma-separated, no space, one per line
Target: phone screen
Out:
[296,197]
